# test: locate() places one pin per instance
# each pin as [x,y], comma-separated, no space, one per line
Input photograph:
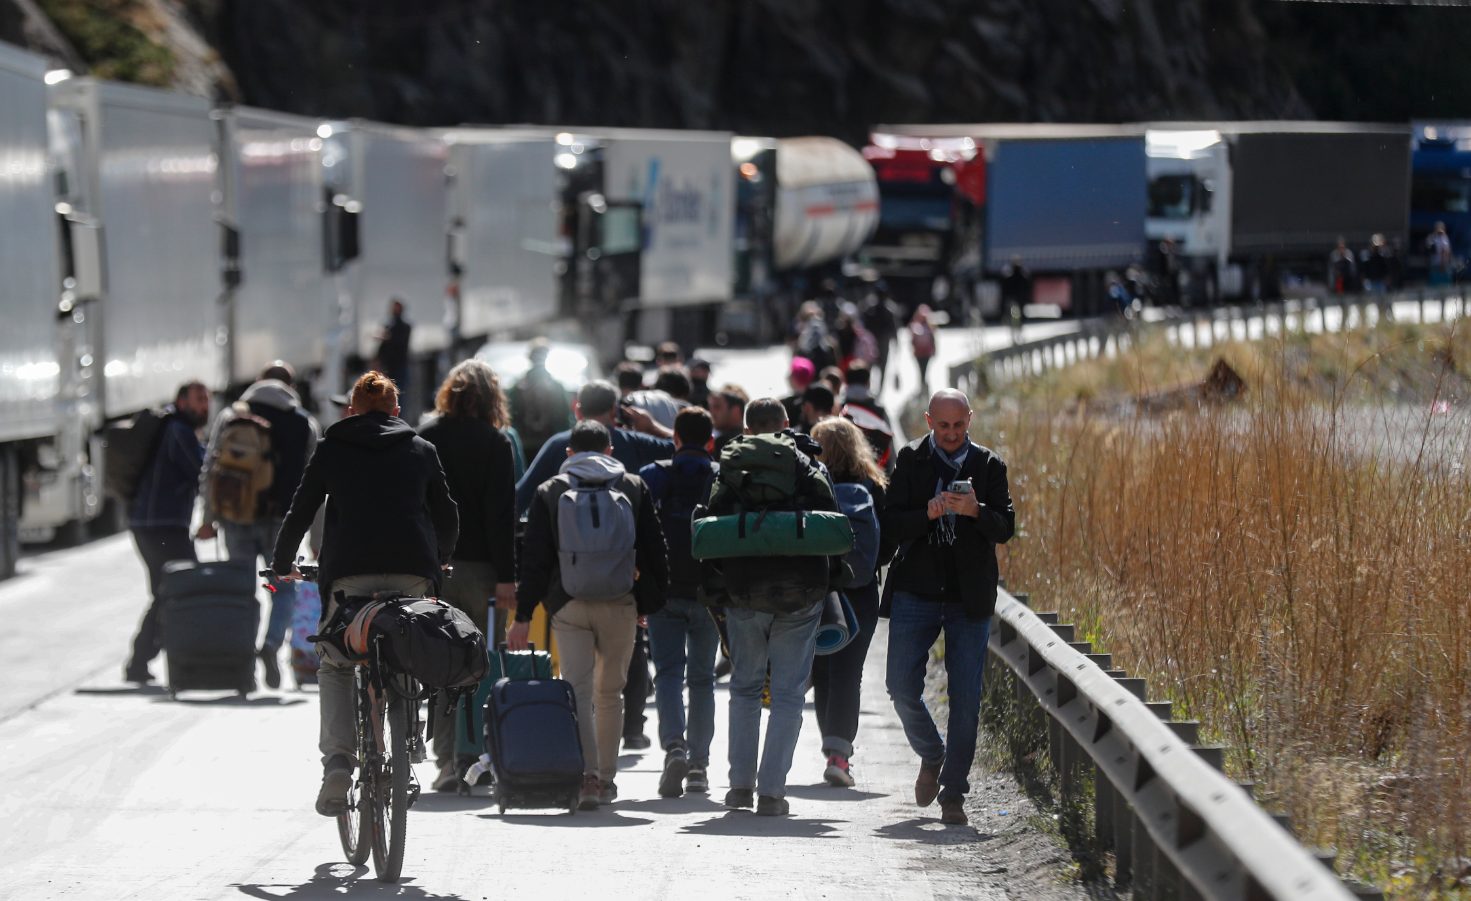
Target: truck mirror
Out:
[86,258]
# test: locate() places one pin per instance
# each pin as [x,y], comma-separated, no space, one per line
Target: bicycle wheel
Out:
[391,791]
[354,826]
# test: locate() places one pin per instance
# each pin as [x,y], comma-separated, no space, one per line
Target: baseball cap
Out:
[803,370]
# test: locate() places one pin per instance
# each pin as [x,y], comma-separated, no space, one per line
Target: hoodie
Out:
[540,578]
[389,508]
[293,440]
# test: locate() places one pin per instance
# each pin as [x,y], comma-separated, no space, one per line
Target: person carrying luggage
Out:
[466,431]
[837,679]
[160,508]
[391,526]
[256,454]
[773,603]
[594,555]
[683,637]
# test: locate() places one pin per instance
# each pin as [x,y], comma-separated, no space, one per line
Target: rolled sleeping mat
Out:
[772,533]
[838,626]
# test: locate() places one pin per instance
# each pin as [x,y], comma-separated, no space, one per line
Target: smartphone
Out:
[961,487]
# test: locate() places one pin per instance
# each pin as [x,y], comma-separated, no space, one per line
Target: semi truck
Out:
[1440,190]
[1249,209]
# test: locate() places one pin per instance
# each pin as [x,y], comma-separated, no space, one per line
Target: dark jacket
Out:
[479,468]
[965,571]
[540,580]
[689,474]
[634,450]
[165,496]
[389,508]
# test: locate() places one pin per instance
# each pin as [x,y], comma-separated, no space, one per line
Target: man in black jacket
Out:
[948,507]
[391,525]
[594,628]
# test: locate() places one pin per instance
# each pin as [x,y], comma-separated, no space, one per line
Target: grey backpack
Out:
[597,529]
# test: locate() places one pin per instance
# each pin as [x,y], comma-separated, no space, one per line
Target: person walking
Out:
[765,640]
[478,467]
[539,404]
[269,408]
[392,357]
[160,510]
[391,525]
[922,341]
[947,507]
[837,679]
[683,638]
[594,557]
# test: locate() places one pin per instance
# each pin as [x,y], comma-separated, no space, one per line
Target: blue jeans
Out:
[914,624]
[259,540]
[785,642]
[685,626]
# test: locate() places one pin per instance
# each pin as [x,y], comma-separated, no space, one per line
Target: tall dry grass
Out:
[1295,572]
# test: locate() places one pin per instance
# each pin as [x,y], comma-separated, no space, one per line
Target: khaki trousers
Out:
[595,642]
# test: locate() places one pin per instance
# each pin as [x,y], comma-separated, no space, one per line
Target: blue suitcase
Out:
[469,733]
[532,739]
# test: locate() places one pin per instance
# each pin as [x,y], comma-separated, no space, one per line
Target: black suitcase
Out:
[532,739]
[209,621]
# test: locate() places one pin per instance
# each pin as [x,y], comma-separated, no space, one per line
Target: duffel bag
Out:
[432,641]
[772,533]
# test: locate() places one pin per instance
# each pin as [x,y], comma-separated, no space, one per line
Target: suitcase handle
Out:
[501,651]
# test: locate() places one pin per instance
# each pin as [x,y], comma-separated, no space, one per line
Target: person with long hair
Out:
[837,679]
[470,411]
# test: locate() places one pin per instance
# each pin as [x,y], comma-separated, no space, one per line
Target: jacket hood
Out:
[590,466]
[371,430]
[272,393]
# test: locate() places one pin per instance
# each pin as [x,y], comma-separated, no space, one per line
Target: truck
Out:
[30,392]
[1440,190]
[1250,209]
[1066,202]
[803,206]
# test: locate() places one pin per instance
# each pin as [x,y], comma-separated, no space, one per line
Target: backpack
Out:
[432,641]
[131,444]
[923,340]
[242,467]
[597,533]
[763,471]
[865,345]
[683,491]
[856,502]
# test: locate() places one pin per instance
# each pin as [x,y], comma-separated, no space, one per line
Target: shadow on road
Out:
[690,803]
[932,832]
[824,792]
[122,690]
[594,819]
[740,822]
[444,802]
[234,701]
[342,880]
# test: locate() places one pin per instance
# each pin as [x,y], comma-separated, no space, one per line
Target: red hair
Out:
[374,392]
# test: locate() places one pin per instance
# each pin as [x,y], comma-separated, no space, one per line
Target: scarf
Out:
[949,467]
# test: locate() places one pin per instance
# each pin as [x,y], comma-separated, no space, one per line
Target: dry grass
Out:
[1296,570]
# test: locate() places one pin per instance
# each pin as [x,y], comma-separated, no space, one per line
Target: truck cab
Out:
[1190,205]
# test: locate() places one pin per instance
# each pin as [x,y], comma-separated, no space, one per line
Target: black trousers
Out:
[636,690]
[157,545]
[837,679]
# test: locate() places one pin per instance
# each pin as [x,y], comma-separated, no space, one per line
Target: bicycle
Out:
[389,742]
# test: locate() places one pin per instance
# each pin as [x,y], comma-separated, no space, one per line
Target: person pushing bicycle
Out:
[391,525]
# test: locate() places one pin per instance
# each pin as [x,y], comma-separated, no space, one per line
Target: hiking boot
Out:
[952,812]
[768,806]
[927,786]
[587,798]
[272,666]
[740,799]
[639,742]
[837,772]
[676,767]
[697,782]
[336,781]
[607,792]
[448,779]
[138,675]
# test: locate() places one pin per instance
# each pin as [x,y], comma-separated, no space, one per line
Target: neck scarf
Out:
[949,467]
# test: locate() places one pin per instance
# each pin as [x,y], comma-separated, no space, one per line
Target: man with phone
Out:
[948,507]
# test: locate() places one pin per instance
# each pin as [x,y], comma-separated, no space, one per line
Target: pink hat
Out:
[802,370]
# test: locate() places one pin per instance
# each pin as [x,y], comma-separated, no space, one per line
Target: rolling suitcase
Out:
[531,737]
[306,614]
[469,719]
[209,619]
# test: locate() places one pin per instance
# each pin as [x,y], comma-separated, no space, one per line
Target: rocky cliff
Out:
[772,66]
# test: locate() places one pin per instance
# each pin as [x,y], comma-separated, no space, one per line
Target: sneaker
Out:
[768,806]
[927,786]
[138,675]
[448,779]
[587,798]
[697,782]
[837,772]
[740,799]
[272,666]
[336,781]
[676,767]
[952,812]
[639,742]
[607,792]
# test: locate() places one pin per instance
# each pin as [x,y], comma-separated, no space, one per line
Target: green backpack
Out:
[763,471]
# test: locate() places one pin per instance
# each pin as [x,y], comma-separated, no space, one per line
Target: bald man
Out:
[948,507]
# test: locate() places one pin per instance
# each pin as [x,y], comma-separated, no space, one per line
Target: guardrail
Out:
[1203,327]
[1177,827]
